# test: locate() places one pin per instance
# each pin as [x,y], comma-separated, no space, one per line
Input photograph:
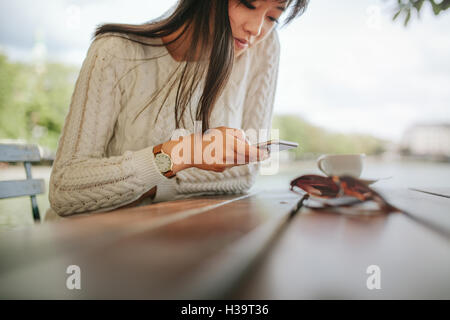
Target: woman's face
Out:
[252,20]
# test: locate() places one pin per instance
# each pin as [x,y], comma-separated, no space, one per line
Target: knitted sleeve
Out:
[82,178]
[257,114]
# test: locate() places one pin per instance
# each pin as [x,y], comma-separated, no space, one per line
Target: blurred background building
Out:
[427,141]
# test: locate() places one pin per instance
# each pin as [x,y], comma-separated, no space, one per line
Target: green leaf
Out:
[418,5]
[436,7]
[408,17]
[396,15]
[445,4]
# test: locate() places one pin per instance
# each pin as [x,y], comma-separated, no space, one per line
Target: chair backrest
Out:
[18,188]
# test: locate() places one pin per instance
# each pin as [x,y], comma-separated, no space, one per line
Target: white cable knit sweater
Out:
[105,160]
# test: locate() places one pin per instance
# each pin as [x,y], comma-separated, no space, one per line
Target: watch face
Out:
[163,162]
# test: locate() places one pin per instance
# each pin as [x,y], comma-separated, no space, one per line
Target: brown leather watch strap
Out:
[169,174]
[157,149]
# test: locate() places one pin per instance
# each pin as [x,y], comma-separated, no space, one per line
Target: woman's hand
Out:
[216,150]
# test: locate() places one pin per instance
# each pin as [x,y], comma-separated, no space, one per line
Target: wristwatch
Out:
[163,162]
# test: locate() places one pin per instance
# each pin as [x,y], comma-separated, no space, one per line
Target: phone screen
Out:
[277,145]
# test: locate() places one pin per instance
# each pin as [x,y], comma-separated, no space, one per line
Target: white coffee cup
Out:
[341,164]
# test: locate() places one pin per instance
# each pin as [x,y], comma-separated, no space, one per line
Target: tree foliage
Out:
[406,8]
[33,104]
[314,140]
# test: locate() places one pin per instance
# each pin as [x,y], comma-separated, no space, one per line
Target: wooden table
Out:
[263,245]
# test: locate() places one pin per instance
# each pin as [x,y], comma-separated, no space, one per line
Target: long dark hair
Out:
[211,45]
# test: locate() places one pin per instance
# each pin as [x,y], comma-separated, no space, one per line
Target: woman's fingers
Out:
[221,148]
[238,133]
[246,153]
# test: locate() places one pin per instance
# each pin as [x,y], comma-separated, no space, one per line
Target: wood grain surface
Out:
[195,248]
[325,255]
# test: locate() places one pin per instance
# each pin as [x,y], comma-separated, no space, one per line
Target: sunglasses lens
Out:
[355,188]
[317,186]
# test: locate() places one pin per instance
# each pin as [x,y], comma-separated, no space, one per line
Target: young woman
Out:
[210,64]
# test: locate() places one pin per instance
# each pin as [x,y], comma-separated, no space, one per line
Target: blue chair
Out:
[29,187]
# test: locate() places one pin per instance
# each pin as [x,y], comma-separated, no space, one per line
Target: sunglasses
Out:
[351,190]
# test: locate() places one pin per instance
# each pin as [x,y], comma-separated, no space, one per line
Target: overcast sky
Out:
[345,65]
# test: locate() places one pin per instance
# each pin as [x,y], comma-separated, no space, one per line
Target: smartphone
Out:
[277,145]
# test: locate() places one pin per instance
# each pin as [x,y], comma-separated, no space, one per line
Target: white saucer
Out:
[368,181]
[372,181]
